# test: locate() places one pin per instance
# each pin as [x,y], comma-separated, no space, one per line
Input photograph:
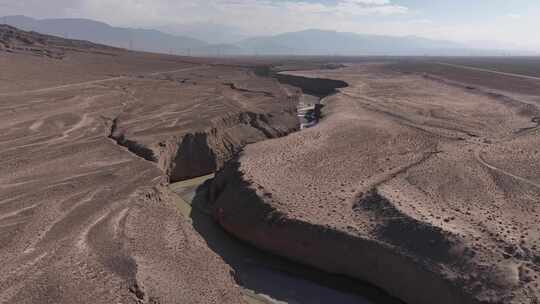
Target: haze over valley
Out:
[219,40]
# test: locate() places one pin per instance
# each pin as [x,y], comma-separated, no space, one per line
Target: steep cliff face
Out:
[320,87]
[247,210]
[200,153]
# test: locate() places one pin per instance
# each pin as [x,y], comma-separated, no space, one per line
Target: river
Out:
[262,277]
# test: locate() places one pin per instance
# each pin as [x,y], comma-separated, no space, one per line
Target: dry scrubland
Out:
[416,182]
[421,179]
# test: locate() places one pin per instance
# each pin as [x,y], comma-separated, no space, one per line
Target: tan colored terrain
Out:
[421,179]
[425,187]
[83,219]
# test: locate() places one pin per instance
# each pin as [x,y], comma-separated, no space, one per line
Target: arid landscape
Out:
[132,177]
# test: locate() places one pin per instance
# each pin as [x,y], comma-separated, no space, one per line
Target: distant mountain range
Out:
[319,42]
[176,41]
[99,32]
[208,32]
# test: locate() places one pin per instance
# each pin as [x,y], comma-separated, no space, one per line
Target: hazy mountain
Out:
[319,42]
[502,46]
[99,32]
[217,50]
[209,32]
[308,42]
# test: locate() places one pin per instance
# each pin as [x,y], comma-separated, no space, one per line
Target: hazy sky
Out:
[511,21]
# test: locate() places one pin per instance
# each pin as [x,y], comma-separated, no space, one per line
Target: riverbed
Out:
[307,111]
[264,278]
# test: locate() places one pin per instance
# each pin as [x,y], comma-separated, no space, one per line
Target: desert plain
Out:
[421,177]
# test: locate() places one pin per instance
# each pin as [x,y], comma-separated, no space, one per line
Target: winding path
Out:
[478,155]
[488,71]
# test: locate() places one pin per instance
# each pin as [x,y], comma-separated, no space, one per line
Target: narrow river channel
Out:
[308,111]
[263,277]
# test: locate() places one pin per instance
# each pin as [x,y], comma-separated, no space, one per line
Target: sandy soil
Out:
[424,187]
[82,218]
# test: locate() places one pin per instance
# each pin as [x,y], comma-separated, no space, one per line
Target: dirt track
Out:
[489,71]
[478,154]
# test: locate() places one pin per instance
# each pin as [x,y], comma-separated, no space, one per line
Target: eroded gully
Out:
[262,277]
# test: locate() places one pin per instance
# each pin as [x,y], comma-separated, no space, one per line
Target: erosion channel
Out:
[263,277]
